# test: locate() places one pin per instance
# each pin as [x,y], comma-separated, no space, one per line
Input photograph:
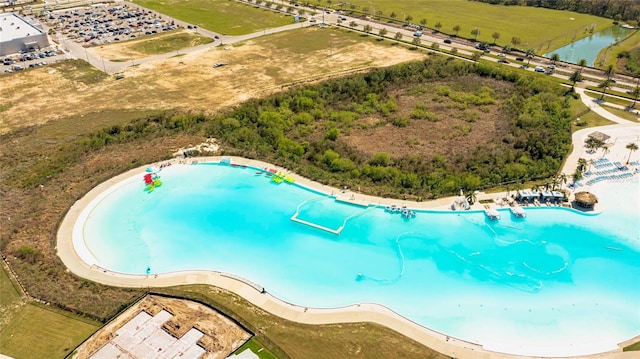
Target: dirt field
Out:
[187,82]
[134,49]
[222,337]
[453,132]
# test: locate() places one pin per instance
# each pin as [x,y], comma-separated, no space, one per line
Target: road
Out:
[331,17]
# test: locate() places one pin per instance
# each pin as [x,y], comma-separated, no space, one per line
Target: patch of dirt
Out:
[455,130]
[187,82]
[221,336]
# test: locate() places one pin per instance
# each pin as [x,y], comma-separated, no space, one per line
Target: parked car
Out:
[504,61]
[539,69]
[447,41]
[519,58]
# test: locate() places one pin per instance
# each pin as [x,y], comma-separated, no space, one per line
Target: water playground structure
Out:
[276,176]
[151,181]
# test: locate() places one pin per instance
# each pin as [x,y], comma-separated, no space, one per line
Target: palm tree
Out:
[604,85]
[529,54]
[576,76]
[472,197]
[555,58]
[456,29]
[577,176]
[515,41]
[592,144]
[393,15]
[610,71]
[631,147]
[635,93]
[438,26]
[409,18]
[496,36]
[398,36]
[605,150]
[561,178]
[582,63]
[367,28]
[416,41]
[382,32]
[582,165]
[475,56]
[353,24]
[423,22]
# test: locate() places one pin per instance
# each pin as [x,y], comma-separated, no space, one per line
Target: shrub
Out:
[28,254]
[332,134]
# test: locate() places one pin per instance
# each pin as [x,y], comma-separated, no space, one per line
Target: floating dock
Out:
[492,213]
[518,211]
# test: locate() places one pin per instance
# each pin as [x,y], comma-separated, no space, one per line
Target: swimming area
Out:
[537,286]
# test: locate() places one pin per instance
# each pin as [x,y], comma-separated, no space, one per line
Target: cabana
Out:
[535,195]
[524,195]
[557,195]
[547,196]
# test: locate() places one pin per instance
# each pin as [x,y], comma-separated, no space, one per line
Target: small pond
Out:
[589,47]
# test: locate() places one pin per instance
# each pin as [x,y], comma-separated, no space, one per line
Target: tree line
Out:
[614,9]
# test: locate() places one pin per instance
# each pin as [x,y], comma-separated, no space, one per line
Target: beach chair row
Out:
[609,177]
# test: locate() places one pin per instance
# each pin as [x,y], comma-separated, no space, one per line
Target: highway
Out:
[330,17]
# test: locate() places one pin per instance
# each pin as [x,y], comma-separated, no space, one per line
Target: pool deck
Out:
[363,312]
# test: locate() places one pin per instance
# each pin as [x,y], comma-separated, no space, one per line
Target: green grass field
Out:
[169,43]
[540,29]
[36,331]
[223,16]
[257,349]
[587,118]
[9,296]
[39,332]
[627,115]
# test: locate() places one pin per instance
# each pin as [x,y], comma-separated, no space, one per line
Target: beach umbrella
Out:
[149,169]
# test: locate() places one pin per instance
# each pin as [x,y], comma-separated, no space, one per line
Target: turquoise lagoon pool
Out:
[555,283]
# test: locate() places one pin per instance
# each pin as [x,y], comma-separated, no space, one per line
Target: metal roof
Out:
[12,27]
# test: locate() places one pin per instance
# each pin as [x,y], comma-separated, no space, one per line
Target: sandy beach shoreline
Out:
[376,313]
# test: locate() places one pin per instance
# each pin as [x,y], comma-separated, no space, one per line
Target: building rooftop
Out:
[14,27]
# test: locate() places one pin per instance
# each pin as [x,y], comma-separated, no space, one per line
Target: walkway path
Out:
[629,130]
[70,241]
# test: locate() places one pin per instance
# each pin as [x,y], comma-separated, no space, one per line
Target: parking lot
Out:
[102,24]
[26,59]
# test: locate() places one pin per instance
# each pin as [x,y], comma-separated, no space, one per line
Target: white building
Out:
[18,33]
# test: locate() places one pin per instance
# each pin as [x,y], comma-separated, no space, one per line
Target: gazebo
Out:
[585,199]
[602,137]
